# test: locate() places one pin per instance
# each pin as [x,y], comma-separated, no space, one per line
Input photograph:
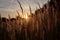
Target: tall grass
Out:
[20,6]
[41,26]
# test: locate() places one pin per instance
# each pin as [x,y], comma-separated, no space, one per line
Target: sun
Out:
[26,16]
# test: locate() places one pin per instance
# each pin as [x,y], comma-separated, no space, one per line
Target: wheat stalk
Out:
[18,13]
[30,9]
[20,6]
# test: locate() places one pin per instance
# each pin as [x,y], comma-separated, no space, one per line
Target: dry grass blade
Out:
[30,9]
[20,6]
[18,13]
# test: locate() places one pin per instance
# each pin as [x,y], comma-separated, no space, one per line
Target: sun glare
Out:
[26,16]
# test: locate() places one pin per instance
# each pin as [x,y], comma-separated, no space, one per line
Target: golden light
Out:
[26,16]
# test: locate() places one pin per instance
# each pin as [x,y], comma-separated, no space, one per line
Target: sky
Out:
[10,6]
